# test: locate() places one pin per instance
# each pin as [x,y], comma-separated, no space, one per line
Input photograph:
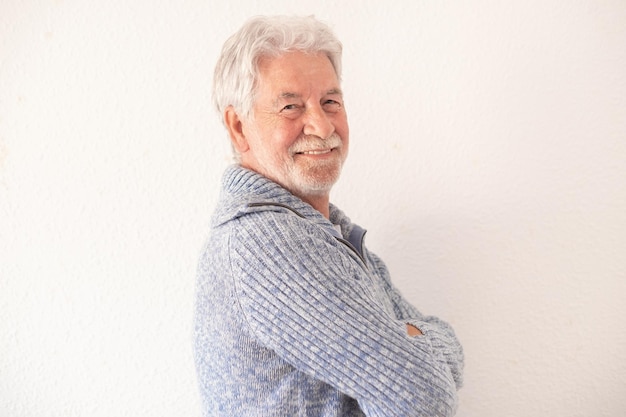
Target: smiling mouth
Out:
[316,152]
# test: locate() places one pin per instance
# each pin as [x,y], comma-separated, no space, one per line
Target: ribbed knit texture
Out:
[291,322]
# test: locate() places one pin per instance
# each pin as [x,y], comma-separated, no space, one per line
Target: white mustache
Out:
[314,143]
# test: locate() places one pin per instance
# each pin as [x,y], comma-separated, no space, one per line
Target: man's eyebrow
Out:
[286,96]
[334,91]
[290,95]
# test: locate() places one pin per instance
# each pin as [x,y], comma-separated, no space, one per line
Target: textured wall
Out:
[488,164]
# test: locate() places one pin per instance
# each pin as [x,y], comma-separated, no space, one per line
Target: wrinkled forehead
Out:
[297,69]
[265,61]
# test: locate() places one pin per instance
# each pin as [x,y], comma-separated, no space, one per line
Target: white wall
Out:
[488,164]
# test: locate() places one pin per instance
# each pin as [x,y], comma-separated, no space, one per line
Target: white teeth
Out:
[320,152]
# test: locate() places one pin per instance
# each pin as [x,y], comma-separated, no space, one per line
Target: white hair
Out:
[236,72]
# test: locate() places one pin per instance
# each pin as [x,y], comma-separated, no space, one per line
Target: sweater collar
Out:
[245,191]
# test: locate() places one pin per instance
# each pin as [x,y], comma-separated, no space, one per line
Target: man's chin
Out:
[317,186]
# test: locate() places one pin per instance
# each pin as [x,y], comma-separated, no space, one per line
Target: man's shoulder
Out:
[276,222]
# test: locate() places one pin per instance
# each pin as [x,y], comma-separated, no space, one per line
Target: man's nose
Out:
[318,123]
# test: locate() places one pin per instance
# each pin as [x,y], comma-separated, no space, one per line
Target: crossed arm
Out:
[324,313]
[442,335]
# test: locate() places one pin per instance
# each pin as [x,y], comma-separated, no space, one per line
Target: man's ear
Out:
[234,125]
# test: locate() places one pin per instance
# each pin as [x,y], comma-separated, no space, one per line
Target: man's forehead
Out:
[294,65]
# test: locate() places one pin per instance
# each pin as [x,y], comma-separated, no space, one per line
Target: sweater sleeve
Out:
[308,299]
[441,334]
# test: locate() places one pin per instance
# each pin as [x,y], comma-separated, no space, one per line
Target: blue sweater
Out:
[294,318]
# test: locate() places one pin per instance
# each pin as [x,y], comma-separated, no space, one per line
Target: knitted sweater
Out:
[294,318]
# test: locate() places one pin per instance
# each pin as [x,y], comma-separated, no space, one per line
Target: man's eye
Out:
[332,104]
[290,107]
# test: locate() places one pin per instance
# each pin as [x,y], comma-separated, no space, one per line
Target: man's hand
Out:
[413,331]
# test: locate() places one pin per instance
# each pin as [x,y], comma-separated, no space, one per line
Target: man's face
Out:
[298,132]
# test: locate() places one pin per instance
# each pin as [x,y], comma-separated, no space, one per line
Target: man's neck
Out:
[320,203]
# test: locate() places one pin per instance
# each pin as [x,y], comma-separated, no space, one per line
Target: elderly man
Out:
[294,316]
